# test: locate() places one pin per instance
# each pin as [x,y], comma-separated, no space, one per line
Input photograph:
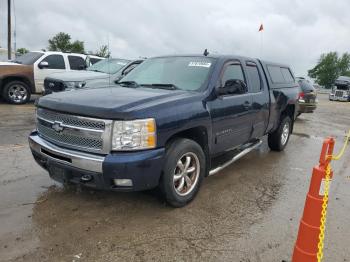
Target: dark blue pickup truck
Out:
[169,123]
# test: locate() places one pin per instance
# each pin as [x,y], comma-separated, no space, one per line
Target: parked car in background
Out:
[102,73]
[307,99]
[25,75]
[341,89]
[93,59]
[168,123]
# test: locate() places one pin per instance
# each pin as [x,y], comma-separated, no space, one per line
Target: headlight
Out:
[74,84]
[134,135]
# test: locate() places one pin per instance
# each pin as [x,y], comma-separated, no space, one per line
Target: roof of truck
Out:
[225,56]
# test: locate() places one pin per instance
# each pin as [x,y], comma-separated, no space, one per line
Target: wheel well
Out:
[197,134]
[289,111]
[15,78]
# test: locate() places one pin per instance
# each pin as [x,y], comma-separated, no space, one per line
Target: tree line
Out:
[62,42]
[329,67]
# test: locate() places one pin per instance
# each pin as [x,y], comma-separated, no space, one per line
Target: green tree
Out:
[62,42]
[103,51]
[22,51]
[329,67]
[77,47]
[347,73]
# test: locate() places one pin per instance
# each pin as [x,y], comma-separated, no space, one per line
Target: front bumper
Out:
[338,98]
[143,168]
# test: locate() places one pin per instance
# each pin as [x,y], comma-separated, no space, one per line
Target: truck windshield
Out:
[342,87]
[185,73]
[108,66]
[28,58]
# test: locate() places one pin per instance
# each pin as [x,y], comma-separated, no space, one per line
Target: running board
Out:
[235,158]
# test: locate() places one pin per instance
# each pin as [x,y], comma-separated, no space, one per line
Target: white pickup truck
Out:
[25,75]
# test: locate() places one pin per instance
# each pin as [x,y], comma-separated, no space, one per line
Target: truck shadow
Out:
[124,223]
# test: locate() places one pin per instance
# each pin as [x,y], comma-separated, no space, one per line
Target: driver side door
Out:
[231,114]
[56,64]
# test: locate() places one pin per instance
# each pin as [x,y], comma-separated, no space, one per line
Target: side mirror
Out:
[232,87]
[43,64]
[116,81]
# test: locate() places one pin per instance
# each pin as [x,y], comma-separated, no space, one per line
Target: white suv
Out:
[25,75]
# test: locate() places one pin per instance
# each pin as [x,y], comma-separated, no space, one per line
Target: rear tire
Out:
[183,172]
[16,92]
[279,138]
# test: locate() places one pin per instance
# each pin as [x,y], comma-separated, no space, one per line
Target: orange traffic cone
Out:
[306,246]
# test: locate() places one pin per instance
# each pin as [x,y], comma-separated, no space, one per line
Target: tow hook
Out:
[86,178]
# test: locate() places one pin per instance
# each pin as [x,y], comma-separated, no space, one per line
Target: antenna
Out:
[109,72]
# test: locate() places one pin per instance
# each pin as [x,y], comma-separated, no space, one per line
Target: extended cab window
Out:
[76,62]
[276,74]
[232,71]
[55,62]
[254,77]
[287,75]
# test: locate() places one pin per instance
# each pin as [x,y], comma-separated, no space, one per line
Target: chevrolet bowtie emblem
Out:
[57,126]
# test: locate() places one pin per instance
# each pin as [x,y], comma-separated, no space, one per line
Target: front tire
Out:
[183,172]
[279,138]
[16,92]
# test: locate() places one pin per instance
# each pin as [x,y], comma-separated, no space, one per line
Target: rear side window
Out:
[287,75]
[280,75]
[94,60]
[55,62]
[276,74]
[76,62]
[254,77]
[232,71]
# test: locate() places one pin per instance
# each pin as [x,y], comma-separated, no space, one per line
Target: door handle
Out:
[246,104]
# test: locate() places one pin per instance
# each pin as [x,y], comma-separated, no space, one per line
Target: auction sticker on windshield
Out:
[200,64]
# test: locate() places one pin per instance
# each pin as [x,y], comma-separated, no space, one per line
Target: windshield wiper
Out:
[162,86]
[128,83]
[95,70]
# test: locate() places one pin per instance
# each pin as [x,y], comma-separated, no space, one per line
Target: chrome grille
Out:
[70,120]
[70,140]
[76,132]
[339,93]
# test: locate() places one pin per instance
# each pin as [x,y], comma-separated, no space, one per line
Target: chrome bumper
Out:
[84,161]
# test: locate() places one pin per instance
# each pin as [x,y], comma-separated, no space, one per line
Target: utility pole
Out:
[9,29]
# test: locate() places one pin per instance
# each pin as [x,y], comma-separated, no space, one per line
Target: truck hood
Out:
[82,75]
[113,102]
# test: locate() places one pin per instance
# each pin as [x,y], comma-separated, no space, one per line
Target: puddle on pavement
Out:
[123,224]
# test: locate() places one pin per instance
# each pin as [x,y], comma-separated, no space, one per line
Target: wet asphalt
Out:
[248,212]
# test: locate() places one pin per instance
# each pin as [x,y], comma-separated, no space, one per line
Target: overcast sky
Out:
[296,32]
